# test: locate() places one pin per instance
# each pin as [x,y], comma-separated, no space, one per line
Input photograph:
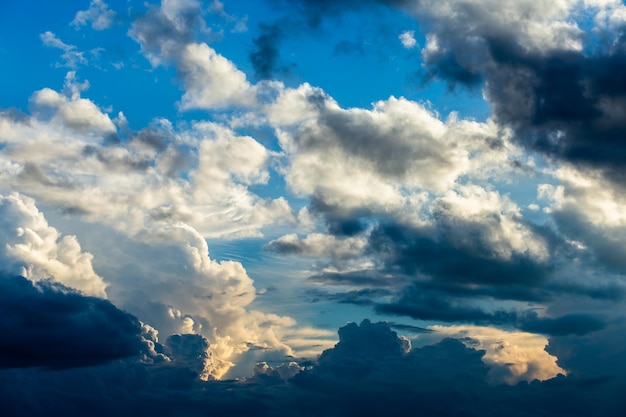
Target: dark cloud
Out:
[189,351]
[266,53]
[370,372]
[45,324]
[605,243]
[569,113]
[437,306]
[446,257]
[433,303]
[340,222]
[564,103]
[358,297]
[578,324]
[155,29]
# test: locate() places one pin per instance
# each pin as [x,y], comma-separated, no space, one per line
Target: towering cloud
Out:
[34,249]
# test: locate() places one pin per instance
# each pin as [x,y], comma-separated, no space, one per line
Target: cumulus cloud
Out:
[70,110]
[36,250]
[540,75]
[381,158]
[211,81]
[155,187]
[68,154]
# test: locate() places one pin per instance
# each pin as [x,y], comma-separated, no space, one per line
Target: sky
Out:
[303,207]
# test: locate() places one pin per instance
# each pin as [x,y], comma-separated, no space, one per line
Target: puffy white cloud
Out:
[211,81]
[408,39]
[381,158]
[64,155]
[98,14]
[34,249]
[70,109]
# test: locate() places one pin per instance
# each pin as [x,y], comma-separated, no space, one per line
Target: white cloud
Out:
[98,14]
[211,81]
[72,58]
[71,110]
[383,158]
[199,176]
[34,249]
[408,39]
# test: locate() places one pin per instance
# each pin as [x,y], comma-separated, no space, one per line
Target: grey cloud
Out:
[155,29]
[48,325]
[562,102]
[578,324]
[436,306]
[265,55]
[606,244]
[431,304]
[412,251]
[357,297]
[360,278]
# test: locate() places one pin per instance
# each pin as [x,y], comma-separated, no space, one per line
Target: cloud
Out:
[71,57]
[154,187]
[382,158]
[98,14]
[512,356]
[590,211]
[211,81]
[556,90]
[70,109]
[33,248]
[166,36]
[68,154]
[265,54]
[191,351]
[545,77]
[350,380]
[46,324]
[408,39]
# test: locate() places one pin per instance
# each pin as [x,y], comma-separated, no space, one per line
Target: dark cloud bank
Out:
[48,325]
[370,372]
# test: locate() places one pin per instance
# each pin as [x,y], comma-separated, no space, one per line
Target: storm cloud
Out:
[46,324]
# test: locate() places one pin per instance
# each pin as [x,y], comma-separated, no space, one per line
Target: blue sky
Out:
[227,183]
